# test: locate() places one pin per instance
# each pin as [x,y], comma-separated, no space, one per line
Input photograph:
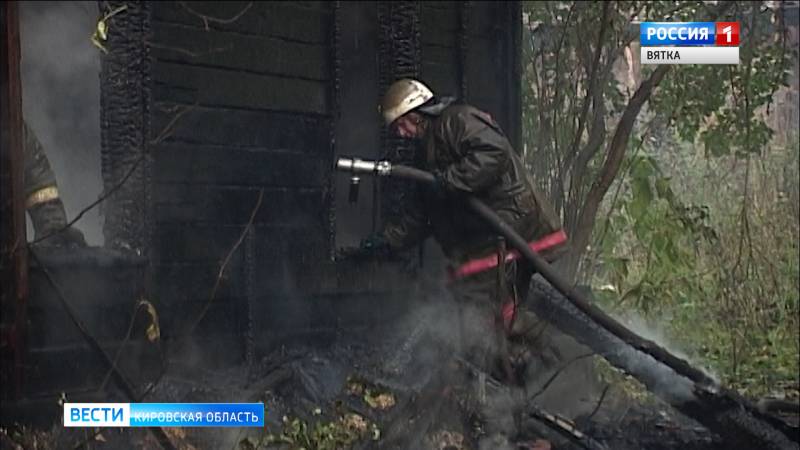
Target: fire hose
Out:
[694,393]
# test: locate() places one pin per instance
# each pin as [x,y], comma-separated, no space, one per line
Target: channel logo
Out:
[163,415]
[689,42]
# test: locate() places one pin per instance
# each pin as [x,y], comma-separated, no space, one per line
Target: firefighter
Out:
[42,201]
[469,153]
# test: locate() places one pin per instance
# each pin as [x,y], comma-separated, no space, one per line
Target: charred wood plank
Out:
[483,17]
[208,164]
[241,128]
[244,89]
[210,243]
[441,79]
[230,205]
[124,108]
[181,283]
[293,21]
[266,55]
[399,57]
[722,411]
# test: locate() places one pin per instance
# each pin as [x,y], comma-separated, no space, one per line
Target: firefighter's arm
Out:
[410,229]
[482,154]
[40,182]
[42,201]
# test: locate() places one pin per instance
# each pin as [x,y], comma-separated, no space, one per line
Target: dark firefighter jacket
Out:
[42,201]
[471,153]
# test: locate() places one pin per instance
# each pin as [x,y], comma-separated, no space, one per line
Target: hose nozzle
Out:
[355,165]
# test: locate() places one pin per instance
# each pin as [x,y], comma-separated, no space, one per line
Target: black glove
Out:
[50,224]
[375,244]
[69,237]
[440,187]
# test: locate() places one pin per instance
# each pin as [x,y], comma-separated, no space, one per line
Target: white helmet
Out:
[402,97]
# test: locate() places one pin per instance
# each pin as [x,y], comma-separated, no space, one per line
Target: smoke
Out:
[437,329]
[60,72]
[655,332]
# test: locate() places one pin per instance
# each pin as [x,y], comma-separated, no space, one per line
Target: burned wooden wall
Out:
[471,50]
[255,140]
[226,119]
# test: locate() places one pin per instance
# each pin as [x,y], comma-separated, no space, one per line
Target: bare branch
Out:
[616,152]
[599,403]
[163,135]
[565,428]
[189,53]
[558,372]
[122,344]
[592,81]
[225,262]
[94,203]
[206,18]
[617,147]
[119,376]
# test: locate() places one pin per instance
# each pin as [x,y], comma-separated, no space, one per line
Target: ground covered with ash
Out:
[387,392]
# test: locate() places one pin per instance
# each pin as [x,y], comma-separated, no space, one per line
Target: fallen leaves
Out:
[448,440]
[153,331]
[374,396]
[354,422]
[379,401]
[337,434]
[541,444]
[100,34]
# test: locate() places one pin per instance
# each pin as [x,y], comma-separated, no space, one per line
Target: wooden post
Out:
[13,250]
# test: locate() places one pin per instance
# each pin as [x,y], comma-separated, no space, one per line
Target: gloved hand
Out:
[440,188]
[49,222]
[68,237]
[375,244]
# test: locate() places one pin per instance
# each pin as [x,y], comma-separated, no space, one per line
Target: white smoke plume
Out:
[60,72]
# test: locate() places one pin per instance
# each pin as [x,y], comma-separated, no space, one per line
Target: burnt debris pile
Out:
[394,390]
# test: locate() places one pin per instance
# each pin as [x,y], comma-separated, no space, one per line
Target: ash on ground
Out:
[384,392]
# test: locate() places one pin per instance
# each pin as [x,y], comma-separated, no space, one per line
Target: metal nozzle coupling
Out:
[353,193]
[356,165]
